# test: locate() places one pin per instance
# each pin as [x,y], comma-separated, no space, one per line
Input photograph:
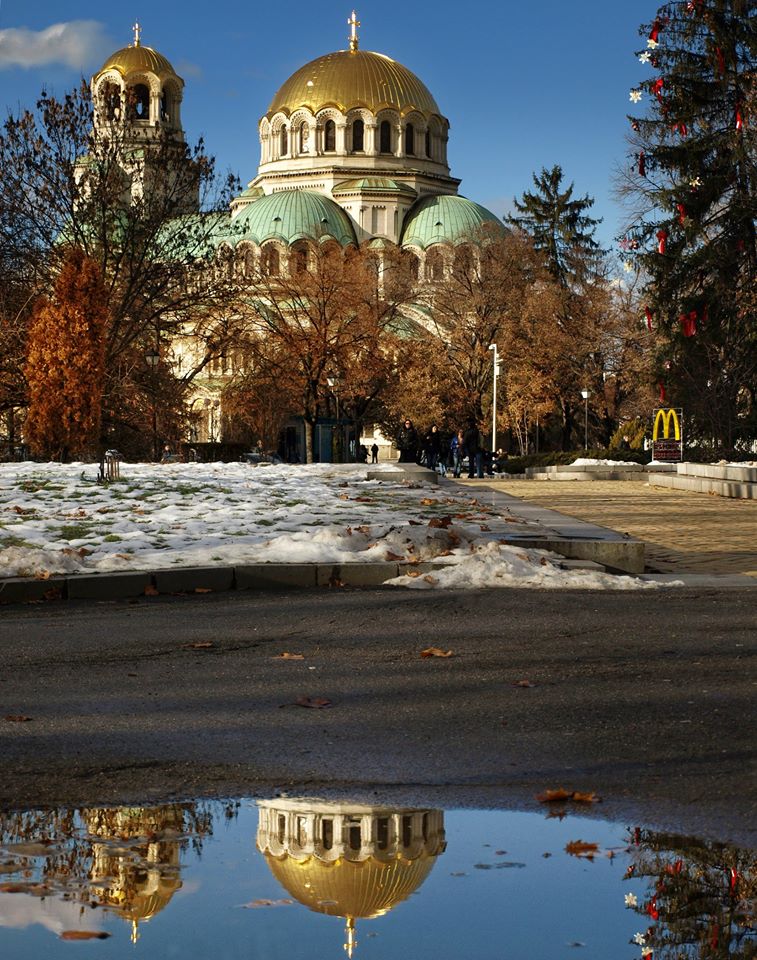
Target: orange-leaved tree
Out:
[65,362]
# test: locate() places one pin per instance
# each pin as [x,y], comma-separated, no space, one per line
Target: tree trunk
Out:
[309,430]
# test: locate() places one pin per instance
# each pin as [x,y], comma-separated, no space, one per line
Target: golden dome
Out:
[138,59]
[354,78]
[347,888]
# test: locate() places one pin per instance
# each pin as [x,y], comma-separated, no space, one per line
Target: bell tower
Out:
[137,97]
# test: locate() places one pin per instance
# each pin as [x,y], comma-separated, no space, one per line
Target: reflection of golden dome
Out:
[138,59]
[354,78]
[347,888]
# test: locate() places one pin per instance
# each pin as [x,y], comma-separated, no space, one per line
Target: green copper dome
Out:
[447,219]
[292,215]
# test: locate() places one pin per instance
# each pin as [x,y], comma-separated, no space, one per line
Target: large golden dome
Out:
[365,888]
[354,78]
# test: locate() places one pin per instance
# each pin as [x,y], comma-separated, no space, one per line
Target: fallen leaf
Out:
[485,527]
[440,522]
[585,798]
[202,590]
[413,573]
[42,575]
[524,683]
[543,561]
[564,796]
[392,556]
[256,904]
[84,935]
[200,645]
[580,848]
[289,656]
[432,580]
[315,703]
[16,718]
[555,796]
[122,556]
[435,652]
[335,582]
[151,591]
[428,502]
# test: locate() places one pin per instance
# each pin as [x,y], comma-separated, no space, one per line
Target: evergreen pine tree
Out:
[559,225]
[694,177]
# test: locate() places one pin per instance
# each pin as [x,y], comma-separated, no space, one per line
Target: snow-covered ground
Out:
[55,519]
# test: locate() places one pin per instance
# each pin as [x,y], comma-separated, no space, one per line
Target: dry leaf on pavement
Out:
[315,703]
[435,652]
[580,848]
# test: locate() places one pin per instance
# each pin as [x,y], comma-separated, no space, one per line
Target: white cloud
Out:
[75,44]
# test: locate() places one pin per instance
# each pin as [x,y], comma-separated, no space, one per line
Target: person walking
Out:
[407,442]
[432,447]
[472,444]
[374,453]
[457,453]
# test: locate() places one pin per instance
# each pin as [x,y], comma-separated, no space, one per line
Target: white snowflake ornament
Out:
[635,96]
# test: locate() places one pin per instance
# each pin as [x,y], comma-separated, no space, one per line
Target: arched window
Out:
[464,263]
[412,263]
[139,102]
[270,262]
[385,137]
[284,142]
[358,136]
[434,266]
[304,137]
[299,260]
[410,140]
[329,136]
[110,98]
[428,143]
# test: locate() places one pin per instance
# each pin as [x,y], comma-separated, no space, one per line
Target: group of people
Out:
[436,451]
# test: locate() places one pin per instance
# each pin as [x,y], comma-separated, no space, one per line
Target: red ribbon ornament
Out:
[734,879]
[694,6]
[648,315]
[681,213]
[657,88]
[652,910]
[739,117]
[655,31]
[662,239]
[688,323]
[680,128]
[642,165]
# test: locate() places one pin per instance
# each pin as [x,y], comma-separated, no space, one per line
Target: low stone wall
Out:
[725,480]
[596,471]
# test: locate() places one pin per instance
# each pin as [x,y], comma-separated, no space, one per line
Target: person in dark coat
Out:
[433,447]
[407,442]
[473,450]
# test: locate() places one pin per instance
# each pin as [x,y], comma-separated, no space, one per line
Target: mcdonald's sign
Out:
[669,422]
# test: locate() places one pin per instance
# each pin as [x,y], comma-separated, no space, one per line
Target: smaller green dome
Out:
[447,219]
[292,215]
[379,185]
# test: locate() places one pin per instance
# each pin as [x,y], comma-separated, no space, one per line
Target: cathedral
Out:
[353,150]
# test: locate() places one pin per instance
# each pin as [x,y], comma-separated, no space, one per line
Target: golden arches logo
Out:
[666,417]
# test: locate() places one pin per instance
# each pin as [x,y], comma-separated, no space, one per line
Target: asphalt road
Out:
[646,698]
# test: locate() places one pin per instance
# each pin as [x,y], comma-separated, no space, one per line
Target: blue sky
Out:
[524,85]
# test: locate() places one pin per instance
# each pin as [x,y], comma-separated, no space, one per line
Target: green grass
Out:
[6,542]
[111,538]
[74,531]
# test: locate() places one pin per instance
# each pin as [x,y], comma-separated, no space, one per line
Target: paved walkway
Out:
[684,532]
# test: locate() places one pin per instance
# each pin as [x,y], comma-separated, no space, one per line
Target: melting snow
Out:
[54,519]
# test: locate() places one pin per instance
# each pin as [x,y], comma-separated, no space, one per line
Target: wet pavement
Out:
[282,877]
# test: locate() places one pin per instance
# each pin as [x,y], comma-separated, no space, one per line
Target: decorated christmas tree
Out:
[693,184]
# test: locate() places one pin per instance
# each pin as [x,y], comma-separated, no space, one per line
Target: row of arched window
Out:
[436,264]
[416,141]
[135,101]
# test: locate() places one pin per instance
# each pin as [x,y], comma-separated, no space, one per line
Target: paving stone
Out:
[111,586]
[272,576]
[194,580]
[27,590]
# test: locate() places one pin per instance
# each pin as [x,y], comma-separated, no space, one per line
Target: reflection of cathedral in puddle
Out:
[135,867]
[348,860]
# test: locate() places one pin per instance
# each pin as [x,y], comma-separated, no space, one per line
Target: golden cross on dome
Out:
[354,23]
[137,33]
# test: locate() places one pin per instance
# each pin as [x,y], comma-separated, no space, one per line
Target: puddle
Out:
[295,879]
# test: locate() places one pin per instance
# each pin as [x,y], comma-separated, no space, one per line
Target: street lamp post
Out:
[493,347]
[333,383]
[585,395]
[152,357]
